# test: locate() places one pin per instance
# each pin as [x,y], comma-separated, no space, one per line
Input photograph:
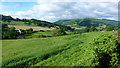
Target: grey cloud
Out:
[68,10]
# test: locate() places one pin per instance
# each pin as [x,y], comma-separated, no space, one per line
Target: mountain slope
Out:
[87,22]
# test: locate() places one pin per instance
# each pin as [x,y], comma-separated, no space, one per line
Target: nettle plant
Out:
[106,49]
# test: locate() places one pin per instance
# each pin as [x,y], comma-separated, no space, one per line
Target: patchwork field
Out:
[35,28]
[69,50]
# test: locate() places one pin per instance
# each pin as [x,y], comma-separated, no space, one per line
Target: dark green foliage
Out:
[9,33]
[6,18]
[110,28]
[29,31]
[12,33]
[66,28]
[89,29]
[86,22]
[42,31]
[27,23]
[8,21]
[93,29]
[23,32]
[58,32]
[17,19]
[25,20]
[106,51]
[4,26]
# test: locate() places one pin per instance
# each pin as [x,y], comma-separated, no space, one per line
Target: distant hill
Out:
[87,22]
[66,24]
[110,20]
[32,22]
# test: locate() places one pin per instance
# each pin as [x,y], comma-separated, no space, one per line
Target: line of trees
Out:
[12,33]
[9,33]
[92,29]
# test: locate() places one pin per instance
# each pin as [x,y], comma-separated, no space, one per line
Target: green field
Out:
[39,34]
[69,50]
[14,23]
[44,34]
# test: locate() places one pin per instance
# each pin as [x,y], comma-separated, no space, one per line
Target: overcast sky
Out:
[54,10]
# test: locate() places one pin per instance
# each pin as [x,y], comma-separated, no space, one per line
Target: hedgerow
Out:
[106,49]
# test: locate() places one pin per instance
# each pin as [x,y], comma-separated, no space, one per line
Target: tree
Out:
[9,33]
[58,32]
[8,21]
[6,18]
[29,31]
[92,29]
[17,19]
[87,29]
[4,26]
[109,28]
[12,28]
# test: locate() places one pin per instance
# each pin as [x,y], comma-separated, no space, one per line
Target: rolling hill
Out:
[87,22]
[31,22]
[66,24]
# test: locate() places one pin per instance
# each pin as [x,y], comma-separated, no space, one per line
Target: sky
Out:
[53,10]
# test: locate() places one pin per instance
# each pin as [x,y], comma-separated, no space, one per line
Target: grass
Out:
[14,23]
[69,50]
[39,34]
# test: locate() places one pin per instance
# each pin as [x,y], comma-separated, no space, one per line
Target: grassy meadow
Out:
[68,50]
